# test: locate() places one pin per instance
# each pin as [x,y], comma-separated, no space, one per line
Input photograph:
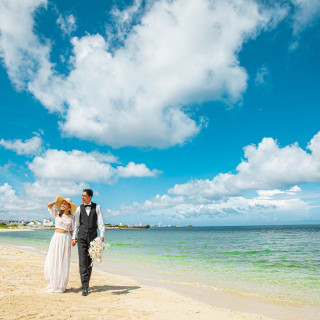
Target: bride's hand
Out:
[51,204]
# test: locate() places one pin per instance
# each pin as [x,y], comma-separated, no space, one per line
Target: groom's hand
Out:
[102,239]
[74,242]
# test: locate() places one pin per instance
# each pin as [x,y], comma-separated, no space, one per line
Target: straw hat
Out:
[59,202]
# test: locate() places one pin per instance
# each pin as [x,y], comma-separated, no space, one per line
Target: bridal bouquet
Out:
[96,249]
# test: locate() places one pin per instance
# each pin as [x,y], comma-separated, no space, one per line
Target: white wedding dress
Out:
[57,265]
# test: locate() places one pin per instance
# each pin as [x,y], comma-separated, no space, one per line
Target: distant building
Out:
[48,223]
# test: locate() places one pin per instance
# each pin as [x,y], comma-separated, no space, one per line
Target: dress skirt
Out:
[57,265]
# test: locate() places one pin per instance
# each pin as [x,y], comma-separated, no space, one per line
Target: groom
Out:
[85,230]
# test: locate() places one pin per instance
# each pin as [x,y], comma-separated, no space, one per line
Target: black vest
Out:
[88,223]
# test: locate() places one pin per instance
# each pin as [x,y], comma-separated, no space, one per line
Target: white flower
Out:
[96,249]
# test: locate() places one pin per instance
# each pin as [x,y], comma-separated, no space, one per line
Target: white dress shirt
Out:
[77,221]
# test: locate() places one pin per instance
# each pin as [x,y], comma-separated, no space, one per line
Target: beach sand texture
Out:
[23,296]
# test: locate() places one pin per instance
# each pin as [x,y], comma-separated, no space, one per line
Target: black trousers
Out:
[85,268]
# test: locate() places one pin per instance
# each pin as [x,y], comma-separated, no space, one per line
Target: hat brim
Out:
[59,201]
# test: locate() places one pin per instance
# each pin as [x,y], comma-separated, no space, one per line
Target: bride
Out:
[56,268]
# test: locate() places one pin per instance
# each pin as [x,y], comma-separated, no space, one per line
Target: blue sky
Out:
[174,112]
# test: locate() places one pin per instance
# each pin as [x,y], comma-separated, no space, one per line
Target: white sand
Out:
[22,296]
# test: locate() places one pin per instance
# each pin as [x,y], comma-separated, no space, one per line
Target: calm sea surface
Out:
[277,262]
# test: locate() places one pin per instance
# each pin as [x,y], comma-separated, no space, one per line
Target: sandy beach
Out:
[23,296]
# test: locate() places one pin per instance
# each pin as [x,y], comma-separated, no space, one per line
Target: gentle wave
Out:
[271,261]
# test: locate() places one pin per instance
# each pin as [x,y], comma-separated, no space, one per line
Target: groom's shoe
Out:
[85,292]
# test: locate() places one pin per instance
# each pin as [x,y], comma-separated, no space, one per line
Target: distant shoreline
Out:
[26,229]
[52,228]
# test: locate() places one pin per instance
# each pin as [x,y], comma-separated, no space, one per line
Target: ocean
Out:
[277,263]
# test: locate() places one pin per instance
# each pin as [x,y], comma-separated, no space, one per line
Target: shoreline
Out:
[26,229]
[221,298]
[247,303]
[22,295]
[225,298]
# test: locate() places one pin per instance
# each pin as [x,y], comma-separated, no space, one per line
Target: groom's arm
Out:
[100,222]
[76,227]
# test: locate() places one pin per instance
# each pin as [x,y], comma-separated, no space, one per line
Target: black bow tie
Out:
[87,205]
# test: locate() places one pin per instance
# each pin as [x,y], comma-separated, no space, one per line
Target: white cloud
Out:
[14,207]
[32,202]
[267,169]
[48,189]
[29,147]
[122,21]
[183,52]
[136,170]
[79,166]
[294,189]
[156,205]
[179,207]
[242,205]
[71,166]
[23,54]
[305,12]
[67,24]
[262,76]
[266,166]
[268,194]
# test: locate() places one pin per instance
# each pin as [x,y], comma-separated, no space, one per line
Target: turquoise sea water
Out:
[276,262]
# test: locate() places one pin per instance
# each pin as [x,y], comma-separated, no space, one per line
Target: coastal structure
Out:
[22,223]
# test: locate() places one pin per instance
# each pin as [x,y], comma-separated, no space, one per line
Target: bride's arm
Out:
[51,204]
[52,211]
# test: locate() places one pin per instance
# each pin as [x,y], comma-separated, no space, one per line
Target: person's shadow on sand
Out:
[116,289]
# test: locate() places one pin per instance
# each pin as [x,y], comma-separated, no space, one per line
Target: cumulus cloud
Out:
[268,194]
[271,172]
[157,205]
[71,166]
[67,24]
[136,170]
[265,166]
[65,173]
[133,88]
[180,207]
[22,52]
[32,203]
[49,188]
[122,21]
[14,207]
[77,166]
[181,53]
[28,147]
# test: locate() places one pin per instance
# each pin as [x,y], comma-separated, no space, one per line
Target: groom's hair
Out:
[89,192]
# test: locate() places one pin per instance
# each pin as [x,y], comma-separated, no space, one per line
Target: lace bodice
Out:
[65,222]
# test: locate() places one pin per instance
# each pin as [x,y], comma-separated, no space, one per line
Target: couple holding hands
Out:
[83,229]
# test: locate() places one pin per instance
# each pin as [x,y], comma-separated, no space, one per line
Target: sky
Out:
[174,112]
